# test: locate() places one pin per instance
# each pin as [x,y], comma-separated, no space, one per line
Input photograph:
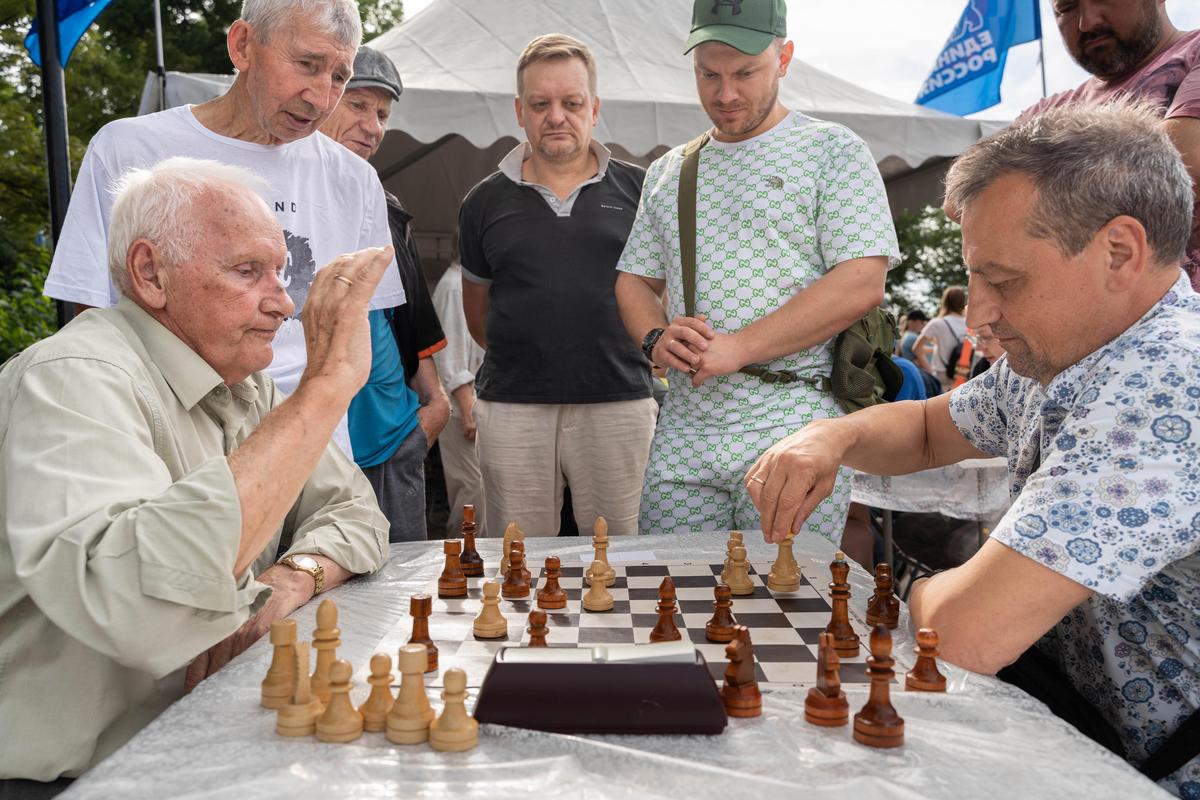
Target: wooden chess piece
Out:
[884,607]
[878,724]
[420,607]
[455,730]
[739,692]
[598,597]
[551,596]
[516,585]
[277,687]
[826,703]
[408,721]
[785,572]
[379,702]
[721,627]
[341,721]
[739,582]
[845,640]
[537,628]
[452,582]
[665,629]
[924,676]
[325,642]
[511,534]
[299,716]
[600,543]
[470,560]
[491,624]
[735,540]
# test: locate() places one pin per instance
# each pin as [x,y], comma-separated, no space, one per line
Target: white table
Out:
[980,739]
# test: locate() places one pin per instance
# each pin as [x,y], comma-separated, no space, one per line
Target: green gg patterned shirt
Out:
[774,213]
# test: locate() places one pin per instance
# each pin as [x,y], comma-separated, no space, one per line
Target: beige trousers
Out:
[528,451]
[460,468]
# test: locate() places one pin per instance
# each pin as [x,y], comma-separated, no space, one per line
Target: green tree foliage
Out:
[104,81]
[930,260]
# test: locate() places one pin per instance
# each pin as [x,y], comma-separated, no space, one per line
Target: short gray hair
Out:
[156,204]
[1088,164]
[336,18]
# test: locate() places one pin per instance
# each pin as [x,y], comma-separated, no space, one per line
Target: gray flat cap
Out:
[374,70]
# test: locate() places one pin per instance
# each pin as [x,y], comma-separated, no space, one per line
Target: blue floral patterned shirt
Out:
[1105,470]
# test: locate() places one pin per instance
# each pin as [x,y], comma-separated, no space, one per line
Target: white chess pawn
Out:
[739,574]
[785,572]
[735,539]
[454,730]
[491,624]
[598,598]
[408,721]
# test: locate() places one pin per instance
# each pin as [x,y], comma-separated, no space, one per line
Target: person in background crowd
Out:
[941,337]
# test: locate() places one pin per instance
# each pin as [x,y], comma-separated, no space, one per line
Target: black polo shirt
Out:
[553,330]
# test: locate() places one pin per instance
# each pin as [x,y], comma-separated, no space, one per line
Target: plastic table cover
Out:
[976,489]
[981,738]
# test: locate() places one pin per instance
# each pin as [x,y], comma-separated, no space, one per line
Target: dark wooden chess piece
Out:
[452,582]
[720,627]
[551,596]
[470,560]
[884,607]
[740,692]
[878,724]
[516,585]
[537,628]
[420,607]
[845,640]
[924,676]
[665,629]
[826,703]
[526,575]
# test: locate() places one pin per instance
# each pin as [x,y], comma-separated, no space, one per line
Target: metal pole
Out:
[54,108]
[161,64]
[1037,9]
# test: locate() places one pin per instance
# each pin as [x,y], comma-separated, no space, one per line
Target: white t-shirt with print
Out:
[773,214]
[328,201]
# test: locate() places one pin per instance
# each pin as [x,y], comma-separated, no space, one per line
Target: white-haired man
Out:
[1075,225]
[293,58]
[144,510]
[792,239]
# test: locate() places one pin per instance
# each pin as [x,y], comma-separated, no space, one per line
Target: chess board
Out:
[784,626]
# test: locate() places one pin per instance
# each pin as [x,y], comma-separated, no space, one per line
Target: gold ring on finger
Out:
[757,479]
[343,279]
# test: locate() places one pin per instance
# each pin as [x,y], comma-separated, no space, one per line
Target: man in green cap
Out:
[793,236]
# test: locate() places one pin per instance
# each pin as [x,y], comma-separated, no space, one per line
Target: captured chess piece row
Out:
[319,705]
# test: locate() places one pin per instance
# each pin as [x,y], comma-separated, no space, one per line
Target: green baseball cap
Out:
[747,25]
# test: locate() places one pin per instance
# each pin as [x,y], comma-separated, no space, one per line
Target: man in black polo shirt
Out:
[563,394]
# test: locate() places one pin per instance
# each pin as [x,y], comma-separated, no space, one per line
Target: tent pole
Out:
[54,113]
[161,67]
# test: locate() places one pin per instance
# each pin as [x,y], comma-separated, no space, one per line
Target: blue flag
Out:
[967,75]
[74,18]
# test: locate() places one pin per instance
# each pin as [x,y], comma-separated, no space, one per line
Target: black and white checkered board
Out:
[784,626]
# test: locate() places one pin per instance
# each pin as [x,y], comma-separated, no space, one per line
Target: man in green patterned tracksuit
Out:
[793,238]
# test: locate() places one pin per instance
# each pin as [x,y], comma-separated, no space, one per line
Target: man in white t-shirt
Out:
[293,58]
[793,237]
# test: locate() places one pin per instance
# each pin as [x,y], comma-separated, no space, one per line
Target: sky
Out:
[894,53]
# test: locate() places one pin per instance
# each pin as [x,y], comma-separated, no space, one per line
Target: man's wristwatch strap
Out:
[317,571]
[650,340]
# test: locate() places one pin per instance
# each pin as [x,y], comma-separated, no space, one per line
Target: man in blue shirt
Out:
[1074,229]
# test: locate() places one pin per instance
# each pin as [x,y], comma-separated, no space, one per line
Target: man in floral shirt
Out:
[1074,227]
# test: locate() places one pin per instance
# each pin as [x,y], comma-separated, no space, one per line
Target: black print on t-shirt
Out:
[300,268]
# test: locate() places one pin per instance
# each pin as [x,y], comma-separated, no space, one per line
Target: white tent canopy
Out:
[457,59]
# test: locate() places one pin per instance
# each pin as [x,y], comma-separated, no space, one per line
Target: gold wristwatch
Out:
[305,563]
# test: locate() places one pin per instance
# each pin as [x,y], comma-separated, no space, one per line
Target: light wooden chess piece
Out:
[735,540]
[598,597]
[408,721]
[374,711]
[511,534]
[924,676]
[299,716]
[325,641]
[277,687]
[785,572]
[491,624]
[600,543]
[739,582]
[826,703]
[878,724]
[341,721]
[455,730]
